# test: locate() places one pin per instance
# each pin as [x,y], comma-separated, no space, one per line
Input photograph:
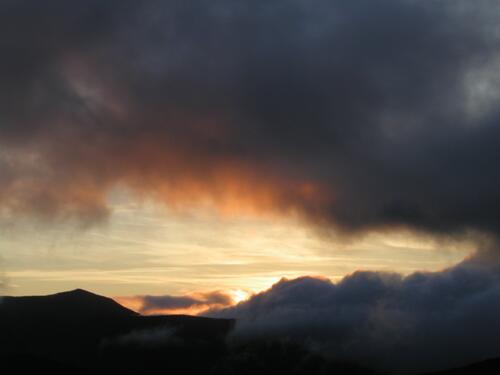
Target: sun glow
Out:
[146,249]
[239,295]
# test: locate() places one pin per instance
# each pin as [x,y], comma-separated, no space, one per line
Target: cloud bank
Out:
[359,115]
[422,322]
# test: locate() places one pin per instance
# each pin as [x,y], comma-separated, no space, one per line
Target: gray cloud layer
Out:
[166,302]
[421,322]
[359,114]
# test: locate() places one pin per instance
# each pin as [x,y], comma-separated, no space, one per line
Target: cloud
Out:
[358,115]
[421,322]
[166,304]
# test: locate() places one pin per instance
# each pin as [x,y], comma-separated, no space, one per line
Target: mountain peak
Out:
[77,302]
[78,290]
[78,293]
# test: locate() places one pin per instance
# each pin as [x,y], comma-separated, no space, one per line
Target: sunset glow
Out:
[226,187]
[145,249]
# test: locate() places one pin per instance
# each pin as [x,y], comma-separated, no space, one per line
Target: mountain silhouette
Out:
[79,332]
[487,367]
[82,331]
[76,303]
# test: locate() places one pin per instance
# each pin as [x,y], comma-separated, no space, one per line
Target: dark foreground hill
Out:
[82,330]
[79,332]
[488,367]
[77,303]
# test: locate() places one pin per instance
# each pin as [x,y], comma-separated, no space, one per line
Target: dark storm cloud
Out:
[358,114]
[150,304]
[421,322]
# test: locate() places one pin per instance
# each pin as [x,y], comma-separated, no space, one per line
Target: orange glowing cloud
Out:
[289,123]
[74,179]
[191,304]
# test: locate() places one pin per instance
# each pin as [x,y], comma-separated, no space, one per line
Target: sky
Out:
[186,156]
[146,249]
